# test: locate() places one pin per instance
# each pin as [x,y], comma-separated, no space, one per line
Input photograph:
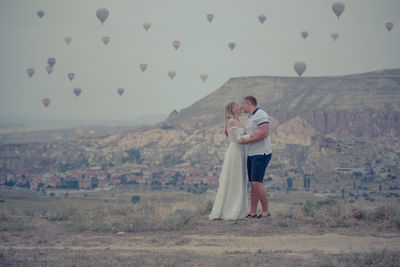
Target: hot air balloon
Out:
[40,13]
[51,61]
[334,35]
[120,91]
[171,74]
[77,91]
[338,8]
[262,18]
[71,76]
[105,39]
[231,45]
[304,34]
[389,26]
[67,40]
[79,133]
[49,69]
[299,67]
[30,71]
[102,14]
[146,25]
[203,76]
[46,102]
[143,66]
[210,17]
[176,44]
[92,133]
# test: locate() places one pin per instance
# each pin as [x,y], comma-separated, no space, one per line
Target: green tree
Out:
[135,199]
[289,184]
[133,156]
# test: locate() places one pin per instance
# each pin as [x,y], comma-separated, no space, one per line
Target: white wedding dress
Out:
[231,200]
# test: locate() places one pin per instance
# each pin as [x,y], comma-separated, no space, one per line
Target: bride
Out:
[231,200]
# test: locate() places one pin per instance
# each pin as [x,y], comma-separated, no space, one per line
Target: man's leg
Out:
[262,196]
[260,189]
[254,200]
[253,194]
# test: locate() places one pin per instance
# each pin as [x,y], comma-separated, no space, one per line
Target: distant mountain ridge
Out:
[39,121]
[40,129]
[326,103]
[311,118]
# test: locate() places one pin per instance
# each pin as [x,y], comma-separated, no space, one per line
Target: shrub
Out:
[384,216]
[135,199]
[308,209]
[183,219]
[333,214]
[326,202]
[65,213]
[4,215]
[167,127]
[290,218]
[205,207]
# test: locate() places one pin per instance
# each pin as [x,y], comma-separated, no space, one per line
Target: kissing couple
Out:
[231,199]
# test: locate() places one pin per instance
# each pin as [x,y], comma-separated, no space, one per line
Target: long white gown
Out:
[231,200]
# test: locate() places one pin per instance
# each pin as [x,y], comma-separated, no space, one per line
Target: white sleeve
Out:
[261,118]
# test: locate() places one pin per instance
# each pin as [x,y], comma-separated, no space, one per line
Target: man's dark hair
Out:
[252,100]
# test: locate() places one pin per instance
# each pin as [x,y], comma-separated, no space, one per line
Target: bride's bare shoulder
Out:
[232,123]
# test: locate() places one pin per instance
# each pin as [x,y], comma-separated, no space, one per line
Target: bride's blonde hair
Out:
[228,114]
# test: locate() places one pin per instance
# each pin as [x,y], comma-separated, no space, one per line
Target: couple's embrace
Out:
[231,200]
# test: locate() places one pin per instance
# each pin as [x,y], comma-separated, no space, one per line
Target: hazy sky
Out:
[268,49]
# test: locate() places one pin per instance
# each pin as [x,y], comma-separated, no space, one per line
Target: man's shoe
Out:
[261,216]
[251,216]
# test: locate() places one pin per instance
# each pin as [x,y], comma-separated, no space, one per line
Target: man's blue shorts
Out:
[256,166]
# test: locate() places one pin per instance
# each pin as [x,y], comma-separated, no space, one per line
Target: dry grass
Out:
[184,214]
[12,222]
[342,214]
[144,216]
[339,214]
[156,211]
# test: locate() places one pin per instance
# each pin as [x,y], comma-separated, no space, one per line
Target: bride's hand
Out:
[243,140]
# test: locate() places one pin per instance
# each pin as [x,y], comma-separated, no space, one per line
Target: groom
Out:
[259,154]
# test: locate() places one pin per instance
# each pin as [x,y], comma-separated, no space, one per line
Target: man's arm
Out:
[261,133]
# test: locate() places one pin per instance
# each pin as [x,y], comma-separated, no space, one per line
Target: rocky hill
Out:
[327,104]
[340,107]
[308,115]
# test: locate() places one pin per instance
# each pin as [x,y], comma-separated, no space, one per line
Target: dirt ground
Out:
[302,246]
[297,244]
